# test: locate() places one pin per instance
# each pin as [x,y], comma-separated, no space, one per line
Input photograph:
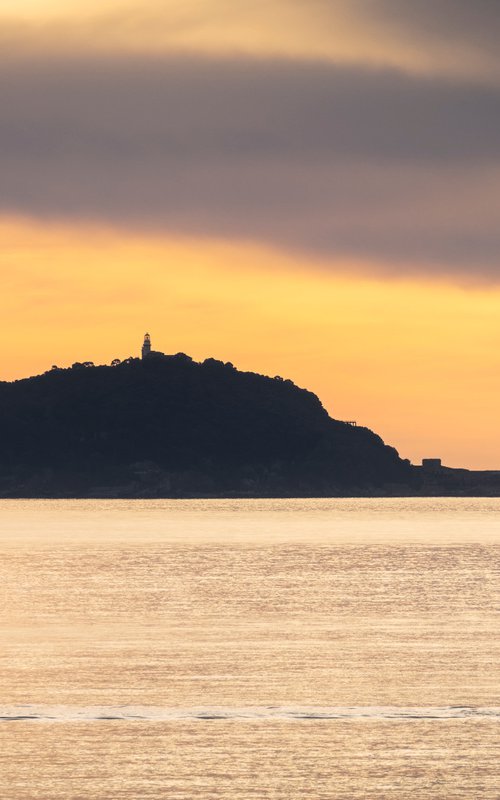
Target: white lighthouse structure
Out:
[146,346]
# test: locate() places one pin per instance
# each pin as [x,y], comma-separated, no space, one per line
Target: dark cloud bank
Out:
[473,25]
[316,158]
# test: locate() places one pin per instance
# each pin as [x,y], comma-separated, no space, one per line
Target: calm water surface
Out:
[249,649]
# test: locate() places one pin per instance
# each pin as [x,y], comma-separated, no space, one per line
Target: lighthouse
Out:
[146,347]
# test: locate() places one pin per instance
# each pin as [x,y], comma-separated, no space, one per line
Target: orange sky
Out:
[409,347]
[417,362]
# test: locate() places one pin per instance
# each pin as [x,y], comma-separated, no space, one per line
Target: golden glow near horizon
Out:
[416,362]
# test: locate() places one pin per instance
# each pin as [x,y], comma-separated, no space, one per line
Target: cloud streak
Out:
[330,161]
[451,37]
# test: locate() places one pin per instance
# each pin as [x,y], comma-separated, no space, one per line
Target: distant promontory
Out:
[167,426]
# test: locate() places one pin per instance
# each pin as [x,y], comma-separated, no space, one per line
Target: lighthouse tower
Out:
[146,347]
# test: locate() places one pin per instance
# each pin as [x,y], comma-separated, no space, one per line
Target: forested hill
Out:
[167,426]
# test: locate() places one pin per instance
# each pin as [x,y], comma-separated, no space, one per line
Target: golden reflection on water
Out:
[250,604]
[237,761]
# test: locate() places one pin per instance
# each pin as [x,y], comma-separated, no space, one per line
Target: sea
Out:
[247,649]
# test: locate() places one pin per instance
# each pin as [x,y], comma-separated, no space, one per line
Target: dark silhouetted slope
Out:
[170,427]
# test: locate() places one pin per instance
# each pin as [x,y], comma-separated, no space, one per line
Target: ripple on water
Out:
[63,714]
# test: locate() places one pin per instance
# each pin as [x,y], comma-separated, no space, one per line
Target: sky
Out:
[306,188]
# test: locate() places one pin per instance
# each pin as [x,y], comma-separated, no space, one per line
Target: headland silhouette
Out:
[167,426]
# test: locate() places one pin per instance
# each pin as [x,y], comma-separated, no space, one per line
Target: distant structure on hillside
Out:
[432,464]
[146,348]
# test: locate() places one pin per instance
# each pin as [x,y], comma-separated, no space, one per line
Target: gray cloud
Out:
[454,37]
[468,23]
[312,157]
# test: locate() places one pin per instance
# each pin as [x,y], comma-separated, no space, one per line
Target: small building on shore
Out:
[432,464]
